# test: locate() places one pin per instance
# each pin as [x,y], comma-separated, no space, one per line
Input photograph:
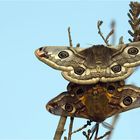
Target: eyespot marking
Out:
[79,70]
[68,107]
[133,51]
[63,54]
[116,68]
[127,101]
[111,88]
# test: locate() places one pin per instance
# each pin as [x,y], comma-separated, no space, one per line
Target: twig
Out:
[70,128]
[115,119]
[78,45]
[60,128]
[134,16]
[81,128]
[121,40]
[96,132]
[92,131]
[113,32]
[69,35]
[106,134]
[65,138]
[99,23]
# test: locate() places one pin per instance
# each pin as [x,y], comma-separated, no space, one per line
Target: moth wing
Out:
[129,55]
[61,58]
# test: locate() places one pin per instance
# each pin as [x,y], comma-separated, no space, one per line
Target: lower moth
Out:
[95,102]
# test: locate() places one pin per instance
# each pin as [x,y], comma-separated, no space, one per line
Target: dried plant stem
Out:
[134,16]
[60,128]
[81,128]
[99,31]
[96,131]
[101,34]
[69,35]
[115,119]
[70,128]
[106,134]
[113,32]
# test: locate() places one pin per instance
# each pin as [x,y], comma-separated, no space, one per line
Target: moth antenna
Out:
[69,35]
[99,23]
[78,45]
[121,40]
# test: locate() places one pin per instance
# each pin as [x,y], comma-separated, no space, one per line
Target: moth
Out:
[95,102]
[98,63]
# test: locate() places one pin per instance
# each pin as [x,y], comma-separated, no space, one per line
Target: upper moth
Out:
[98,63]
[91,65]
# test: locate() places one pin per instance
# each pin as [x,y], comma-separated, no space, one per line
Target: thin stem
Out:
[110,33]
[69,35]
[70,128]
[99,23]
[134,21]
[81,128]
[113,32]
[93,130]
[106,134]
[60,128]
[96,132]
[115,119]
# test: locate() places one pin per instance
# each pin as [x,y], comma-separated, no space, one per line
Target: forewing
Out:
[129,55]
[59,57]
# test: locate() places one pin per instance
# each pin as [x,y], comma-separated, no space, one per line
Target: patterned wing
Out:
[94,64]
[95,102]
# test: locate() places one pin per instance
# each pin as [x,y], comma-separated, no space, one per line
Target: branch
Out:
[115,119]
[99,23]
[70,128]
[113,32]
[69,35]
[134,21]
[60,128]
[81,128]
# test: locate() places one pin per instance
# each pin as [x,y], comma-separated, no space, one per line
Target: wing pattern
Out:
[93,64]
